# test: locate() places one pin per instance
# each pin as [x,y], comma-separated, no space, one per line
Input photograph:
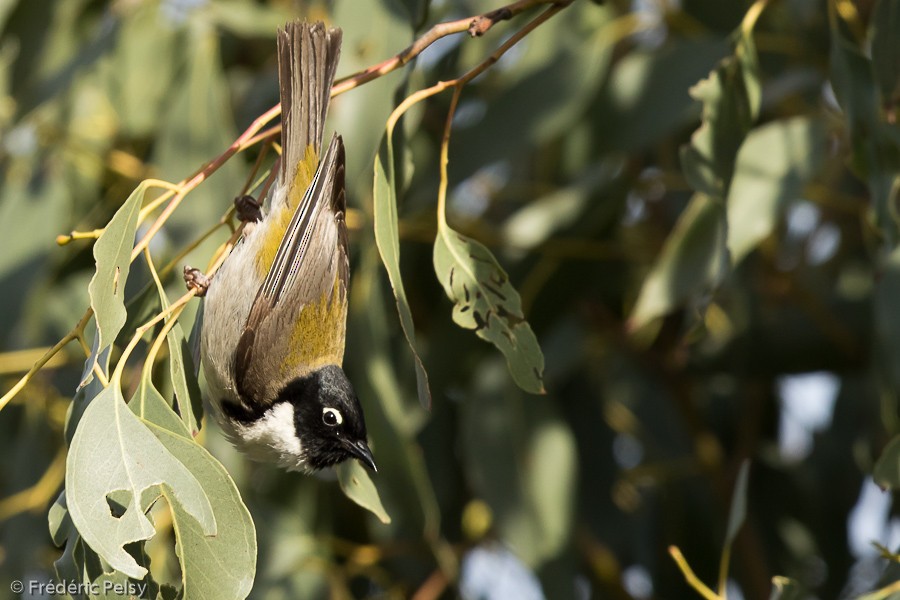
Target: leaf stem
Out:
[689,575]
[74,333]
[38,495]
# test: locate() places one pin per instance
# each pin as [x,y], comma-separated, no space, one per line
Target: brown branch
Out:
[476,26]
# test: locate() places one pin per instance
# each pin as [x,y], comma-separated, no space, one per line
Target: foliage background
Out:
[564,161]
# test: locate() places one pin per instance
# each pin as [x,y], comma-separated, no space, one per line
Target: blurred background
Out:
[564,161]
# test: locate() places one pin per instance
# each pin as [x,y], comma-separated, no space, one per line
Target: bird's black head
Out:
[328,418]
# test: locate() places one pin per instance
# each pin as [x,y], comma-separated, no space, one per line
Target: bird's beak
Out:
[361,451]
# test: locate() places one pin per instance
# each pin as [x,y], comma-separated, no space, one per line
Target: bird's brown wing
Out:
[298,319]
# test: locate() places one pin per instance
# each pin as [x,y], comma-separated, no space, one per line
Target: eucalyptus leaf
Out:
[221,566]
[358,486]
[887,469]
[486,302]
[112,451]
[886,49]
[181,369]
[738,513]
[112,253]
[149,405]
[387,238]
[773,165]
[692,262]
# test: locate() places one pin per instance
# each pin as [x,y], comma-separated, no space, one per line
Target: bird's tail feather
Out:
[308,54]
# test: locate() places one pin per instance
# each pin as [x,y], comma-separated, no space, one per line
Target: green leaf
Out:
[731,96]
[643,101]
[886,49]
[693,260]
[80,564]
[112,253]
[887,470]
[708,162]
[876,149]
[773,165]
[221,566]
[358,486]
[485,301]
[738,513]
[149,405]
[887,338]
[59,521]
[387,238]
[181,369]
[112,451]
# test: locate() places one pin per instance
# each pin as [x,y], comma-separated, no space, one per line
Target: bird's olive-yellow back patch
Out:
[280,217]
[318,333]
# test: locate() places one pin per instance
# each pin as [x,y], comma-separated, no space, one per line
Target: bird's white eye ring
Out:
[332,417]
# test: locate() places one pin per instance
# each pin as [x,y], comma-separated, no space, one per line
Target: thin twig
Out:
[45,358]
[476,26]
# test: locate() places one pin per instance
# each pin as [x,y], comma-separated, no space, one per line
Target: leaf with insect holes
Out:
[223,566]
[358,486]
[387,238]
[220,566]
[113,453]
[485,301]
[112,253]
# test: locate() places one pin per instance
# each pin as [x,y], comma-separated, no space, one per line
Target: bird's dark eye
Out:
[332,417]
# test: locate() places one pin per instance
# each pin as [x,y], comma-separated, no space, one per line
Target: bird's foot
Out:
[194,279]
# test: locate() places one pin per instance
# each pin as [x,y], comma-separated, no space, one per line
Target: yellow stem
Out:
[723,570]
[38,495]
[19,361]
[689,575]
[46,358]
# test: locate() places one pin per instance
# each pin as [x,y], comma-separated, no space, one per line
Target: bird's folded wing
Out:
[298,319]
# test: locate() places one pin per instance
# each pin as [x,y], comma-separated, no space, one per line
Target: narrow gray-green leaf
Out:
[886,49]
[387,238]
[730,96]
[112,451]
[738,512]
[692,261]
[887,470]
[358,486]
[58,520]
[181,369]
[219,567]
[112,253]
[485,301]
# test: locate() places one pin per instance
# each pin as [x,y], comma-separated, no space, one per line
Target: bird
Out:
[275,313]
